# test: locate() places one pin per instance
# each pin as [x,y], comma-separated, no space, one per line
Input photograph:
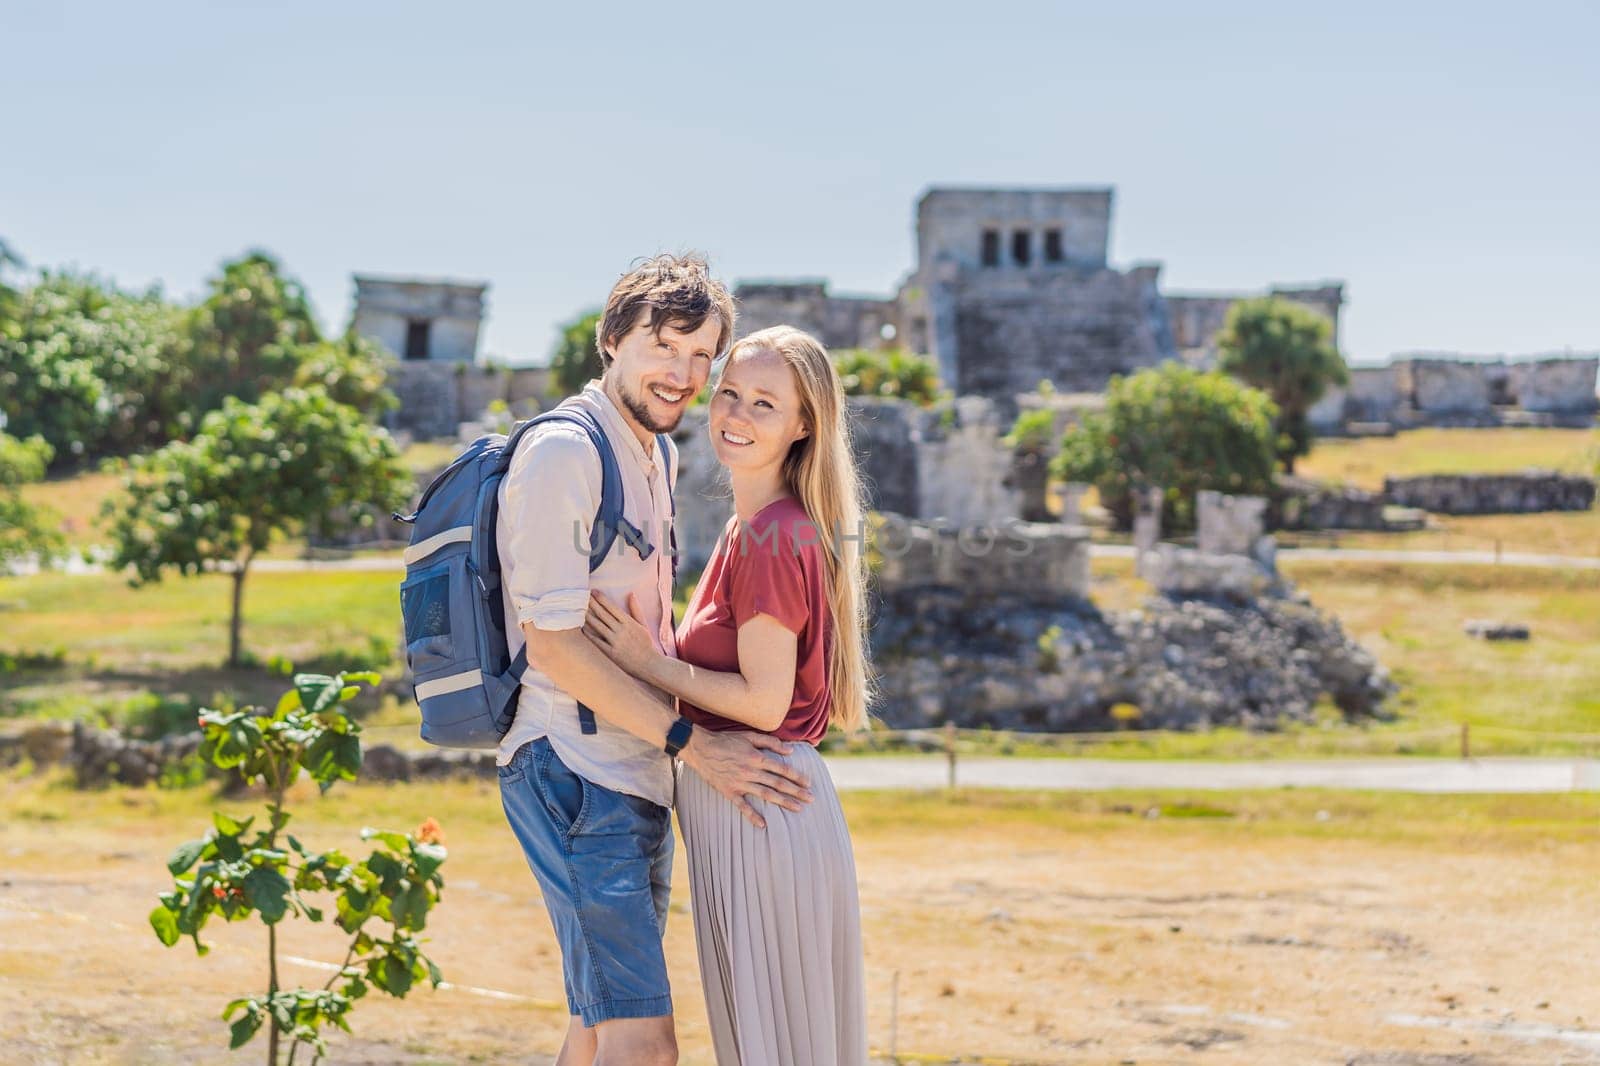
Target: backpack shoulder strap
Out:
[607,520]
[608,516]
[669,457]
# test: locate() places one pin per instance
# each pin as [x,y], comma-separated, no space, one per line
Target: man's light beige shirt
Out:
[548,502]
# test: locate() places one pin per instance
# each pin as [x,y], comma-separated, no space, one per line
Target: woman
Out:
[773,640]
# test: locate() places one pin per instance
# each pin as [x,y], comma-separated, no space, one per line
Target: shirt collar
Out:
[616,424]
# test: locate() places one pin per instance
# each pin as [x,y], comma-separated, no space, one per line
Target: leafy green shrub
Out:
[378,655]
[1031,431]
[92,369]
[892,372]
[16,662]
[233,873]
[151,716]
[25,530]
[1176,428]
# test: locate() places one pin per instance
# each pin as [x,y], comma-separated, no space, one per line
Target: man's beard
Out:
[640,410]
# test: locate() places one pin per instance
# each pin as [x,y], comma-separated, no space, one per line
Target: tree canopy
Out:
[246,331]
[1176,428]
[92,369]
[1286,350]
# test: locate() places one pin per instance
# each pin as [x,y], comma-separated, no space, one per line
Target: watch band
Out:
[679,735]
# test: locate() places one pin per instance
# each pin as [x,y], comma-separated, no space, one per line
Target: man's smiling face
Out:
[656,375]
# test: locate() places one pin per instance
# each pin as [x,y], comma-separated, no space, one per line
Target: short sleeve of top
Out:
[769,578]
[772,566]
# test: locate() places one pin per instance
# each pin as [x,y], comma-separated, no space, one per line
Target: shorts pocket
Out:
[564,794]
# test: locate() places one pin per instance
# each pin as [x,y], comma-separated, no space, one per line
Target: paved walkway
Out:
[1383,775]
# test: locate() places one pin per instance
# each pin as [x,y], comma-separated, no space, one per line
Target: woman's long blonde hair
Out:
[820,470]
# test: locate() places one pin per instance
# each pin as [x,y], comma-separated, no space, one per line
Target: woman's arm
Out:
[758,694]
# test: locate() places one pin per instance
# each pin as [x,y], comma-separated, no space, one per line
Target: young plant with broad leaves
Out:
[240,870]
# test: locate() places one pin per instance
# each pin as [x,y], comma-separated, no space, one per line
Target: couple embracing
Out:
[621,717]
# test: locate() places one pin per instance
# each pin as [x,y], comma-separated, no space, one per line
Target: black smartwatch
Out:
[678,736]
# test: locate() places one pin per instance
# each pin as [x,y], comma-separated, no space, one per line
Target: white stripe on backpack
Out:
[424,548]
[439,686]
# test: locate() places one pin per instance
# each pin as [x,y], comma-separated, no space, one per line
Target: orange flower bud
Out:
[430,833]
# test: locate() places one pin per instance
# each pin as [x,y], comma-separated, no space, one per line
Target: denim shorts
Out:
[604,862]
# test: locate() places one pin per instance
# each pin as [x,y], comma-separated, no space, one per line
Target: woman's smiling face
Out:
[755,411]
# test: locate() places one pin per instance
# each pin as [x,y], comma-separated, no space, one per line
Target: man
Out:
[590,808]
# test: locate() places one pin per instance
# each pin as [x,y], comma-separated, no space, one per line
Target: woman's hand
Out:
[622,636]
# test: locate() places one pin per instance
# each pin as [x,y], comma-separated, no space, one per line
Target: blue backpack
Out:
[466,680]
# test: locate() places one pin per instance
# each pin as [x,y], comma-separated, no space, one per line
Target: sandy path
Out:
[1070,938]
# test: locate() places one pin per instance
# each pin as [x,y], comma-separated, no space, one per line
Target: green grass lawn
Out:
[76,498]
[1365,461]
[104,650]
[118,643]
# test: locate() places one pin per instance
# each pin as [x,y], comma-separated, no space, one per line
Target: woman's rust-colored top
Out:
[774,566]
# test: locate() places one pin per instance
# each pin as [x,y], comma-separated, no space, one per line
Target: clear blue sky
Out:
[1443,159]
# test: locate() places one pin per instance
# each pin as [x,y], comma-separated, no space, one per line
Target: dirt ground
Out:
[1273,928]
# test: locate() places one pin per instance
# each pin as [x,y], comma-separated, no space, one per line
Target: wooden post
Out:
[1466,742]
[950,751]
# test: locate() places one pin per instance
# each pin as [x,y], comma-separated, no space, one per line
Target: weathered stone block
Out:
[1229,525]
[1017,559]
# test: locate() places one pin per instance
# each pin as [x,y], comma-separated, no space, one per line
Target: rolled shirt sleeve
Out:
[548,503]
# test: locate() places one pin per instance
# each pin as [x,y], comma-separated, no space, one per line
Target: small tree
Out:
[892,372]
[253,472]
[233,873]
[24,532]
[1286,350]
[1174,427]
[576,359]
[246,331]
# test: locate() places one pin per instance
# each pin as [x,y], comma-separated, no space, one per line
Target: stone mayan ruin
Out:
[1012,287]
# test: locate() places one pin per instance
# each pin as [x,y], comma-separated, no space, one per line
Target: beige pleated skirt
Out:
[777,923]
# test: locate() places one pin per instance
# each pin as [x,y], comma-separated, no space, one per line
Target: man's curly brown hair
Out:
[674,290]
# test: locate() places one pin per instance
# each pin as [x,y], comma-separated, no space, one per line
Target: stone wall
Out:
[1445,387]
[436,397]
[1530,492]
[1000,333]
[1305,504]
[1559,385]
[947,462]
[1372,394]
[837,321]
